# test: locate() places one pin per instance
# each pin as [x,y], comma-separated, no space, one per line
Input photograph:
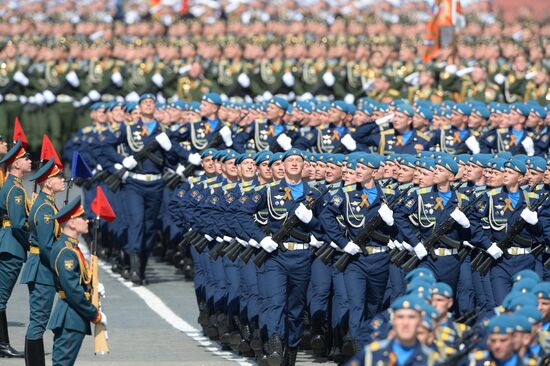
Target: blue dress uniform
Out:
[37,273]
[366,276]
[453,140]
[73,312]
[497,212]
[285,275]
[14,208]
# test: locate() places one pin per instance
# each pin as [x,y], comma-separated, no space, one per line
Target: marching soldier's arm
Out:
[488,142]
[66,266]
[407,231]
[329,222]
[544,219]
[16,207]
[481,233]
[257,202]
[45,229]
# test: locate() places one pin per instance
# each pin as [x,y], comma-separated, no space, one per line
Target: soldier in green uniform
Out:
[37,273]
[73,312]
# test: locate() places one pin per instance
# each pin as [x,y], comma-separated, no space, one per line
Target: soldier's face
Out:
[364,173]
[475,121]
[405,174]
[56,184]
[425,178]
[419,122]
[208,165]
[544,308]
[320,170]
[293,166]
[442,304]
[473,172]
[401,122]
[274,113]
[501,346]
[546,176]
[147,107]
[278,170]
[495,178]
[511,177]
[3,147]
[442,175]
[247,169]
[265,171]
[333,173]
[405,323]
[208,108]
[534,177]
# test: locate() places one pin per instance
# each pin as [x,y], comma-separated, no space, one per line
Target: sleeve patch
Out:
[47,218]
[18,199]
[68,264]
[336,200]
[256,197]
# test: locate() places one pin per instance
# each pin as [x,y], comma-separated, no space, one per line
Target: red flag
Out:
[19,134]
[101,207]
[48,151]
[184,7]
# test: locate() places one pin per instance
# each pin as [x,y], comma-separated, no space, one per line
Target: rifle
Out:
[364,236]
[436,236]
[483,261]
[98,176]
[287,227]
[218,250]
[101,346]
[464,345]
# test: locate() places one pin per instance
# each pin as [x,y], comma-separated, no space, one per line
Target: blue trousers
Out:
[465,295]
[250,306]
[446,269]
[504,270]
[340,305]
[66,345]
[40,302]
[286,276]
[220,284]
[397,282]
[142,207]
[199,277]
[545,271]
[10,266]
[210,280]
[232,285]
[320,289]
[366,278]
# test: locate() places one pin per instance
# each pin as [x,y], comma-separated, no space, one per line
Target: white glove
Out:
[116,78]
[158,80]
[267,95]
[529,146]
[314,242]
[208,237]
[284,141]
[288,79]
[530,217]
[228,239]
[49,97]
[391,244]
[473,144]
[103,319]
[349,98]
[460,218]
[119,166]
[76,103]
[225,132]
[268,244]
[467,244]
[407,246]
[243,80]
[32,99]
[494,251]
[398,244]
[386,214]
[451,69]
[183,69]
[368,85]
[349,142]
[383,120]
[180,169]
[164,141]
[242,242]
[20,78]
[500,79]
[94,95]
[531,75]
[39,99]
[129,162]
[219,239]
[328,78]
[99,168]
[306,96]
[464,71]
[352,248]
[132,97]
[72,79]
[420,251]
[101,290]
[412,78]
[22,99]
[194,159]
[253,243]
[335,246]
[303,213]
[85,100]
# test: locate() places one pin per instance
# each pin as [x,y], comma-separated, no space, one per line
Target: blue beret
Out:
[340,105]
[443,289]
[516,164]
[292,152]
[542,290]
[526,273]
[462,108]
[242,157]
[480,159]
[213,98]
[481,110]
[539,111]
[261,156]
[537,163]
[381,107]
[425,112]
[350,108]
[366,108]
[409,161]
[420,284]
[502,324]
[336,159]
[208,152]
[147,96]
[194,107]
[369,160]
[279,102]
[275,157]
[426,163]
[504,109]
[405,108]
[497,164]
[520,108]
[448,163]
[531,312]
[524,285]
[406,302]
[229,154]
[424,274]
[521,323]
[517,302]
[462,158]
[130,107]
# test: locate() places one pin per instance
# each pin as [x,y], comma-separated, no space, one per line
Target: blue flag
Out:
[79,168]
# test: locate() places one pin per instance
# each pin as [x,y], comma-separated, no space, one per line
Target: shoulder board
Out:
[479,355]
[273,184]
[422,135]
[194,179]
[377,345]
[334,191]
[494,191]
[87,129]
[424,190]
[216,185]
[538,187]
[229,186]
[247,189]
[388,132]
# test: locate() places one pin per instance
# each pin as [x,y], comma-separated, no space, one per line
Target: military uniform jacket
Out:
[44,230]
[260,135]
[352,205]
[380,353]
[75,311]
[484,358]
[450,140]
[496,214]
[14,207]
[501,139]
[322,139]
[277,200]
[389,141]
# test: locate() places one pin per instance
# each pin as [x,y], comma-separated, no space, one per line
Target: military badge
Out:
[256,197]
[69,264]
[409,203]
[47,219]
[229,198]
[18,200]
[243,199]
[336,200]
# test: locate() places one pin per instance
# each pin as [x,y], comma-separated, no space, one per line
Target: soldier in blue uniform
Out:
[285,275]
[73,312]
[14,207]
[404,349]
[144,183]
[454,139]
[37,273]
[366,276]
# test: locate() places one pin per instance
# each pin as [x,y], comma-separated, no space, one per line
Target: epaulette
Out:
[87,129]
[388,131]
[479,355]
[538,187]
[349,188]
[422,135]
[531,194]
[194,179]
[494,191]
[216,185]
[229,186]
[377,345]
[259,188]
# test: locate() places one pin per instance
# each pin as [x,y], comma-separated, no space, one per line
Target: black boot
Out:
[244,344]
[318,340]
[135,269]
[335,353]
[187,267]
[275,350]
[350,347]
[34,352]
[212,328]
[290,356]
[306,336]
[158,248]
[142,267]
[5,349]
[126,266]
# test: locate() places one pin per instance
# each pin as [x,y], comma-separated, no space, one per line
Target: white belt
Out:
[376,250]
[11,97]
[518,251]
[443,252]
[145,177]
[64,98]
[296,246]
